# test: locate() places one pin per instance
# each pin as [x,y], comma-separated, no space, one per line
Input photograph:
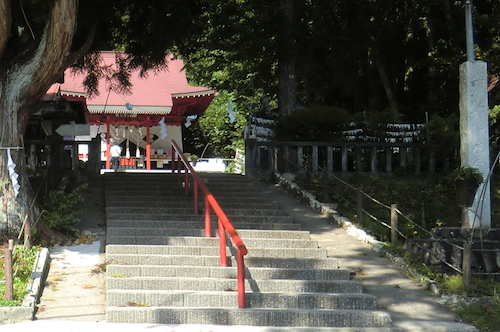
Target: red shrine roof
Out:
[164,93]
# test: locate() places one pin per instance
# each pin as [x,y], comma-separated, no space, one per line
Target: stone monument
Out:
[474,129]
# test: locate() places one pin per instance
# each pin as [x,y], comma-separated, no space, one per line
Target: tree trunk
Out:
[287,97]
[22,86]
[389,91]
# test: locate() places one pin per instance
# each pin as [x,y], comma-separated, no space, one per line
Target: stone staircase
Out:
[163,270]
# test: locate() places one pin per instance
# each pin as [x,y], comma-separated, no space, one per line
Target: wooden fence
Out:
[347,157]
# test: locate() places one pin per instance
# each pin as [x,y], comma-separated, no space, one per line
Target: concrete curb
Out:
[354,232]
[27,310]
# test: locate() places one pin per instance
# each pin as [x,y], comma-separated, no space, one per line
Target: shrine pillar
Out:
[108,147]
[148,148]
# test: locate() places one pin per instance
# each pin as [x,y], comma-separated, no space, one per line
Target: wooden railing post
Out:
[315,159]
[402,156]
[359,206]
[466,266]
[329,158]
[9,280]
[27,234]
[345,159]
[394,224]
[388,160]
[270,153]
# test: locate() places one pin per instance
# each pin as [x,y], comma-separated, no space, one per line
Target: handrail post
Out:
[195,195]
[178,167]
[173,161]
[222,245]
[186,182]
[241,279]
[208,227]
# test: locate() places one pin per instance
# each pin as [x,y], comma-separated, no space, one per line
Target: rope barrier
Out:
[388,207]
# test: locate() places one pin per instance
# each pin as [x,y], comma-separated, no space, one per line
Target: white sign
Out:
[73,130]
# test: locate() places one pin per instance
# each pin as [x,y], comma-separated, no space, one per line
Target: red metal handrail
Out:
[224,223]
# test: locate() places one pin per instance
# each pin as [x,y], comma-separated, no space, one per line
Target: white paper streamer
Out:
[12,172]
[163,128]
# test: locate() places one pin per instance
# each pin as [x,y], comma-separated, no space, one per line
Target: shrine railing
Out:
[347,157]
[178,159]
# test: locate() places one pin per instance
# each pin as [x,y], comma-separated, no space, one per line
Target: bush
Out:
[61,209]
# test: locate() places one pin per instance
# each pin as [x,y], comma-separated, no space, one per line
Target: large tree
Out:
[39,39]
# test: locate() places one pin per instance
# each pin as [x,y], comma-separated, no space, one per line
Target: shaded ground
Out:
[76,289]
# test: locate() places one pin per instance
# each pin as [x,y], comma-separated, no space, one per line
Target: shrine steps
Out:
[161,268]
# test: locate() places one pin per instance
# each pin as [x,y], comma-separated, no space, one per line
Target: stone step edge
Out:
[249,269]
[347,282]
[280,317]
[233,293]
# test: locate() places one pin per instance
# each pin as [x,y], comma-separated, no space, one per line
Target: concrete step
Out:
[201,224]
[187,210]
[225,272]
[269,262]
[187,204]
[145,196]
[255,317]
[200,217]
[243,233]
[252,252]
[328,301]
[230,285]
[203,242]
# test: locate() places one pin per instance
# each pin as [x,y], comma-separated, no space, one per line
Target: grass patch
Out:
[485,318]
[23,262]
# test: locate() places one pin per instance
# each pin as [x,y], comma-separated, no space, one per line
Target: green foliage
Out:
[494,115]
[442,132]
[62,209]
[454,284]
[214,129]
[317,123]
[23,261]
[466,173]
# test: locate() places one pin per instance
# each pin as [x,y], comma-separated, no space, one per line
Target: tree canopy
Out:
[361,55]
[39,39]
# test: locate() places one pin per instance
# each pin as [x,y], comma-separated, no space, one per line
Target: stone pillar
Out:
[474,137]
